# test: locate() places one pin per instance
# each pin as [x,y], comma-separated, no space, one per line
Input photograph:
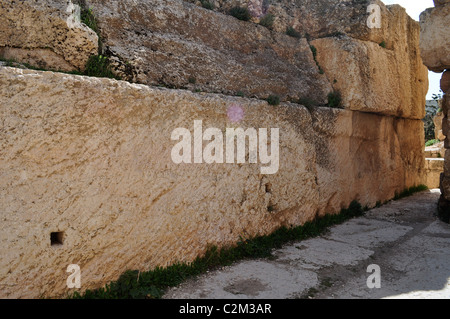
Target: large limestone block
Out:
[91,158]
[46,34]
[177,44]
[435,37]
[365,156]
[374,79]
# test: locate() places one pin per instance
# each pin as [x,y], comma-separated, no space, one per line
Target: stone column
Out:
[435,51]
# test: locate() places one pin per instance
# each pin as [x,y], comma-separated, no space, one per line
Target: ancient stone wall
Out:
[176,44]
[435,50]
[88,175]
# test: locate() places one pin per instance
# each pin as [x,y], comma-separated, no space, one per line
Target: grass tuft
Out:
[273,100]
[290,31]
[334,99]
[240,13]
[306,102]
[207,4]
[89,19]
[267,21]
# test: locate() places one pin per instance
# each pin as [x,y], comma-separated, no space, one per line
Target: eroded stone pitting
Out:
[90,158]
[32,25]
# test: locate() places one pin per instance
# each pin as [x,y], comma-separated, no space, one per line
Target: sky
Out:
[414,8]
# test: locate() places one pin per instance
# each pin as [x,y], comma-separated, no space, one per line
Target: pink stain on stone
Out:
[235,113]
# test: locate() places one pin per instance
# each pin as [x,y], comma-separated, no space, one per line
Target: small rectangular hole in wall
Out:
[56,238]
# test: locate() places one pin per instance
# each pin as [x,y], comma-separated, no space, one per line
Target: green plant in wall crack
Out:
[334,99]
[88,18]
[314,52]
[431,142]
[155,282]
[99,66]
[307,102]
[240,13]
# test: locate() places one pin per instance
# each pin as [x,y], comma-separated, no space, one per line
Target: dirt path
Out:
[404,240]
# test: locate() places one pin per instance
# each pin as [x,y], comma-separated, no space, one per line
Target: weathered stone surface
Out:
[435,37]
[92,158]
[434,167]
[176,44]
[374,79]
[325,18]
[365,147]
[445,187]
[440,2]
[49,33]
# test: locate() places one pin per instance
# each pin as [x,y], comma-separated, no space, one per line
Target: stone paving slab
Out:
[319,252]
